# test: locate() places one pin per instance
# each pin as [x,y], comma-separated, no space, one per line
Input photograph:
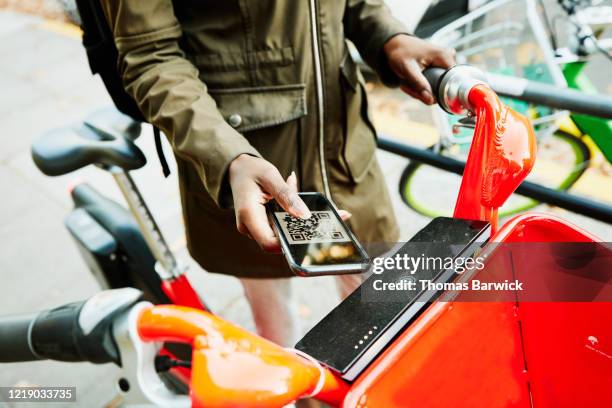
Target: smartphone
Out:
[320,245]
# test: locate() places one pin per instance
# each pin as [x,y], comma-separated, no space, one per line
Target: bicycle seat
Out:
[111,121]
[65,150]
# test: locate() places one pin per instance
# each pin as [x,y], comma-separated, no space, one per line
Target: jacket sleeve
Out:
[167,88]
[369,25]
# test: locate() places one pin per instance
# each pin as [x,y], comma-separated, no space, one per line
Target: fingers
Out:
[444,58]
[285,194]
[291,182]
[409,56]
[417,82]
[345,215]
[409,91]
[254,182]
[418,87]
[252,221]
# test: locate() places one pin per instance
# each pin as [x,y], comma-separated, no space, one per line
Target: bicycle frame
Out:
[599,129]
[174,281]
[474,352]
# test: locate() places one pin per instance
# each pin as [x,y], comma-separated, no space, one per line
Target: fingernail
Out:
[345,215]
[300,207]
[292,178]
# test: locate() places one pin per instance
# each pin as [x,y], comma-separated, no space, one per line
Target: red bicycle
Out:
[436,348]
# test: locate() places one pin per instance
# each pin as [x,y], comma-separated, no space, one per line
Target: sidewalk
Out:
[46,83]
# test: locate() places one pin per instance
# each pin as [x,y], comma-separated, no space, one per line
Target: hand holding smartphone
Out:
[320,245]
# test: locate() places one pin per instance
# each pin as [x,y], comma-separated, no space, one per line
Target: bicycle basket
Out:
[505,37]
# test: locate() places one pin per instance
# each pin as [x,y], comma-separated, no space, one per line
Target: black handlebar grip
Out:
[58,335]
[55,333]
[15,345]
[79,331]
[434,76]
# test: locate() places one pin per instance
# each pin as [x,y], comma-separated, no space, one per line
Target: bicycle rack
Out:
[571,202]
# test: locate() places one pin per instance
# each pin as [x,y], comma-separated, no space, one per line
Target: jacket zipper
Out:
[320,97]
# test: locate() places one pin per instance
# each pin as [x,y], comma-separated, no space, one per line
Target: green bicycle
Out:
[521,47]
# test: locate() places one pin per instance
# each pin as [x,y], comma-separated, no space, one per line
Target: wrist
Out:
[239,160]
[237,166]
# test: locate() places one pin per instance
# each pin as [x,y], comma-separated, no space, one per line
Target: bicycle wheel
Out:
[432,192]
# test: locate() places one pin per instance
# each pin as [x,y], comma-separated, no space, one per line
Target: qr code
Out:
[322,226]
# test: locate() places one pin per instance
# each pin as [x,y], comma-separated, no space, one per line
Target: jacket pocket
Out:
[247,109]
[360,135]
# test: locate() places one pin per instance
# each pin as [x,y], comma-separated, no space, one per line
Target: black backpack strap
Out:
[102,55]
[160,152]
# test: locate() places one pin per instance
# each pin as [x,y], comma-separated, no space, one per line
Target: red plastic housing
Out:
[499,354]
[501,156]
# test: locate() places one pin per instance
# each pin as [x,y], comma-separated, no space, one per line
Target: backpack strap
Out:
[160,152]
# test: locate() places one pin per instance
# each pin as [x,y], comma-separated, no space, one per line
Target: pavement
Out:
[46,83]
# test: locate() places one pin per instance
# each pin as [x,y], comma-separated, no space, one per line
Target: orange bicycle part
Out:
[501,156]
[232,367]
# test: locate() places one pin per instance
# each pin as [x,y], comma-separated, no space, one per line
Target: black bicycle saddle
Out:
[110,120]
[65,150]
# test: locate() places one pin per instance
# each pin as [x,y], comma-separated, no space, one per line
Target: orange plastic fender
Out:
[501,156]
[232,367]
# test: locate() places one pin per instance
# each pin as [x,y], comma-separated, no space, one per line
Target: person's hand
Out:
[408,56]
[254,182]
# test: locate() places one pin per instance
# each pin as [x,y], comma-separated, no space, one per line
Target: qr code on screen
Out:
[322,226]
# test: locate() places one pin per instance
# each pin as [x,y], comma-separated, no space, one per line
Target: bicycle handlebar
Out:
[449,86]
[80,331]
[551,96]
[433,76]
[15,335]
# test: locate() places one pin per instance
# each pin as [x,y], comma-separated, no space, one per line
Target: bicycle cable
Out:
[552,35]
[595,41]
[164,363]
[321,382]
[601,49]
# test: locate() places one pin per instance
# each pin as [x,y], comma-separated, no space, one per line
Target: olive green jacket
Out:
[270,78]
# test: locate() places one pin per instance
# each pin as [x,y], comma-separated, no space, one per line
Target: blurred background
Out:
[46,83]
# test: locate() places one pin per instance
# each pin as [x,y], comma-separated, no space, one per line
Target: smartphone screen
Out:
[322,244]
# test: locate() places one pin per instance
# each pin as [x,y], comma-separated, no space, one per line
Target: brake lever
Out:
[468,122]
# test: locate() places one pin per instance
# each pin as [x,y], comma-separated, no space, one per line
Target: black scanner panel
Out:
[357,330]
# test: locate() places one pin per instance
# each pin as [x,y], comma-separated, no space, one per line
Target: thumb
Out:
[345,215]
[284,193]
[292,182]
